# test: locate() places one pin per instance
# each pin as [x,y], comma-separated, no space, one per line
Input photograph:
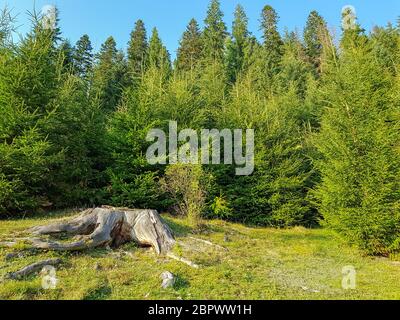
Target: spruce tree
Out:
[109,75]
[359,162]
[66,55]
[137,50]
[272,40]
[158,55]
[313,34]
[214,33]
[236,45]
[295,69]
[25,108]
[83,57]
[190,47]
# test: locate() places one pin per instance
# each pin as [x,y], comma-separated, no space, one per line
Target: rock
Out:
[168,280]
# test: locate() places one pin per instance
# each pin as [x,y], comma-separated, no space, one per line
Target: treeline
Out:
[326,116]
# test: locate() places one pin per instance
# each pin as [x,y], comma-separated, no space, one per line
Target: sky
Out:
[102,18]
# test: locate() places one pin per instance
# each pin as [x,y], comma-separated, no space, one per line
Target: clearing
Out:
[258,263]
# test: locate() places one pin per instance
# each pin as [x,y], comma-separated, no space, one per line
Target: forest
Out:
[325,109]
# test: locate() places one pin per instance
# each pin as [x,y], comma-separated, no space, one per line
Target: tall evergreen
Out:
[158,55]
[190,47]
[236,46]
[359,164]
[272,40]
[109,75]
[214,33]
[137,49]
[25,106]
[66,52]
[313,36]
[83,57]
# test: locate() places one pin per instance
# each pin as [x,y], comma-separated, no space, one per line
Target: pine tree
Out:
[190,48]
[214,33]
[386,45]
[313,34]
[137,50]
[66,55]
[236,46]
[83,57]
[359,161]
[158,55]
[25,107]
[6,26]
[295,69]
[109,75]
[272,40]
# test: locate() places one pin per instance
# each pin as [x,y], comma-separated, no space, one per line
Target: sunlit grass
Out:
[259,263]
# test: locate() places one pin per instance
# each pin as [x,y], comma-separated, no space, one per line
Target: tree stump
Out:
[107,226]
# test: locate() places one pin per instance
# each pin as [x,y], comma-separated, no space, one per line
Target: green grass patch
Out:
[259,263]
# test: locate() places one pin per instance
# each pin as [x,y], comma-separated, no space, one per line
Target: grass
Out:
[259,263]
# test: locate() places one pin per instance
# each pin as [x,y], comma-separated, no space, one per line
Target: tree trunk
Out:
[107,226]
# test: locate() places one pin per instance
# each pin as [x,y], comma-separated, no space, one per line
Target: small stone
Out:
[168,280]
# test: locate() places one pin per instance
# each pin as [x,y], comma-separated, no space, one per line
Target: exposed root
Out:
[209,243]
[32,268]
[103,227]
[183,260]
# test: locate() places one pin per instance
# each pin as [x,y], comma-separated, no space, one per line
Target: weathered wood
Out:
[106,226]
[183,260]
[32,268]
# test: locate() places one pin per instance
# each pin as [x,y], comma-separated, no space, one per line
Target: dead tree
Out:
[106,226]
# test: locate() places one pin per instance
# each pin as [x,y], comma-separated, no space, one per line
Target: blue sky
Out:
[102,18]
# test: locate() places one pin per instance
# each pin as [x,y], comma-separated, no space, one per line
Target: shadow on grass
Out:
[102,292]
[181,283]
[179,229]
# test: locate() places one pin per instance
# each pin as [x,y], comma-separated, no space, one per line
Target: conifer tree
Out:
[272,40]
[359,165]
[158,55]
[214,33]
[66,52]
[137,49]
[236,45]
[25,107]
[190,47]
[295,68]
[386,45]
[83,57]
[109,75]
[313,34]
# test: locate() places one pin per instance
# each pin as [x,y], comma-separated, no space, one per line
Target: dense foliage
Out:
[74,123]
